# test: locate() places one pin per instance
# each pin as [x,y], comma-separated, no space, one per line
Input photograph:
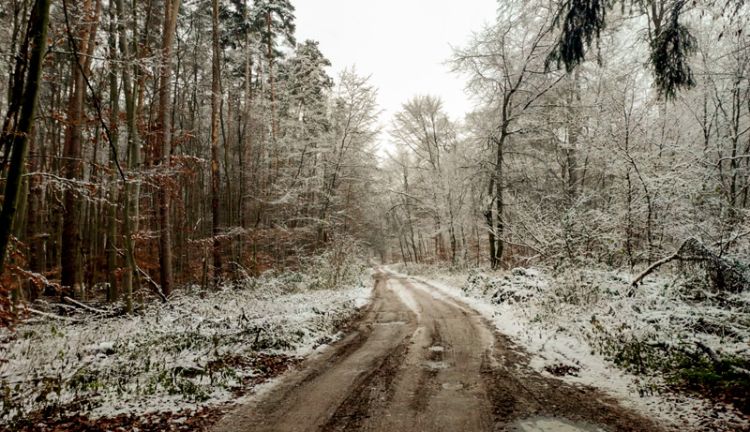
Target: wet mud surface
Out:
[419,361]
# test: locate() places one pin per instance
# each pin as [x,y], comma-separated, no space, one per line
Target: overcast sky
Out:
[403,44]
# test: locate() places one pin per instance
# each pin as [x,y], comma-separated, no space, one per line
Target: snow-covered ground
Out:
[198,350]
[586,322]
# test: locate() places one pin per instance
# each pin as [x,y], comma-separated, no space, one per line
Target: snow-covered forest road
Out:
[419,360]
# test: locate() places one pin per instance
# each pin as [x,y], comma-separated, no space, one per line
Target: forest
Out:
[165,155]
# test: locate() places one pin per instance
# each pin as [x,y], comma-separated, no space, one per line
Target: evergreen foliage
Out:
[670,51]
[582,21]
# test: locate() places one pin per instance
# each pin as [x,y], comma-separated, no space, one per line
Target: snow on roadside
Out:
[408,300]
[564,321]
[198,350]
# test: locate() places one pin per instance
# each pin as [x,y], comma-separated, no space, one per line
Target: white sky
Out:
[403,44]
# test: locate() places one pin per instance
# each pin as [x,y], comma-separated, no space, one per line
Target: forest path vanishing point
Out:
[421,361]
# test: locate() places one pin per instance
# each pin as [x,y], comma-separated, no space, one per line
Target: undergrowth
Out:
[200,347]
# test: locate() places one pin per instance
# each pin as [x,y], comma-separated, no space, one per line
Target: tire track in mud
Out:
[375,389]
[434,356]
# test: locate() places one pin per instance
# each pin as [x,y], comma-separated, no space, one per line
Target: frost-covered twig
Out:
[83,306]
[689,250]
[732,240]
[154,286]
[50,315]
[657,264]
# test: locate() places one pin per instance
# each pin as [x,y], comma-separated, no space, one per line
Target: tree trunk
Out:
[499,200]
[38,23]
[215,175]
[271,81]
[71,274]
[132,189]
[574,132]
[34,228]
[163,146]
[490,221]
[114,124]
[247,145]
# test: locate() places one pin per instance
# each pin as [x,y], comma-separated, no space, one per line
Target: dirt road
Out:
[420,361]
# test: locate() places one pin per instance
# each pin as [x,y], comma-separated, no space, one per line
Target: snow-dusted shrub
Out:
[719,273]
[501,289]
[664,336]
[339,264]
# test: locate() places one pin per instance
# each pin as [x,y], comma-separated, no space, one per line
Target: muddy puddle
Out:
[542,424]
